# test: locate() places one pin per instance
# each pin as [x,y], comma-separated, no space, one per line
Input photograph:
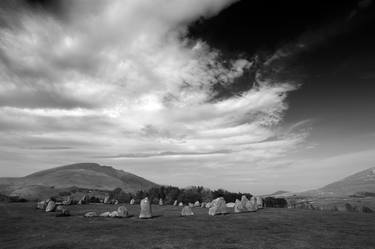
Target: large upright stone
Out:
[252,205]
[51,206]
[106,199]
[218,207]
[132,202]
[161,203]
[175,203]
[244,203]
[197,204]
[186,211]
[145,209]
[238,208]
[259,201]
[180,204]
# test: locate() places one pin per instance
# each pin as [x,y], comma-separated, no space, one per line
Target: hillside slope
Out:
[363,181]
[82,175]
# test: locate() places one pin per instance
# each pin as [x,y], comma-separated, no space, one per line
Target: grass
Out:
[22,226]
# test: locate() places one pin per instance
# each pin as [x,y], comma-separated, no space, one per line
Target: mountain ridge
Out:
[81,175]
[362,181]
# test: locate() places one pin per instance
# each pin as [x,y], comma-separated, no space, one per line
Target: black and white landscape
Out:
[187,124]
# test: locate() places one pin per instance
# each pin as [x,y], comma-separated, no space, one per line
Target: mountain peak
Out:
[82,175]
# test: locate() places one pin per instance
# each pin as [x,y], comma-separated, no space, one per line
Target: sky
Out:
[251,96]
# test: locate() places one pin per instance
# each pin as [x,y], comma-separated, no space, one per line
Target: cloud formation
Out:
[120,79]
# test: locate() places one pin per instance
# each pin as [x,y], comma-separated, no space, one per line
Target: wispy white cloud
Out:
[121,81]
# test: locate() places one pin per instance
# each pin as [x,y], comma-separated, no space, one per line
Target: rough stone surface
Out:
[218,207]
[259,201]
[106,200]
[238,208]
[51,206]
[230,205]
[252,205]
[145,209]
[186,211]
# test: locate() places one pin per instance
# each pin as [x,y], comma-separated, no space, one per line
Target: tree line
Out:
[170,193]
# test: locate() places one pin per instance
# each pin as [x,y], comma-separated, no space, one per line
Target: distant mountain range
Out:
[82,175]
[357,184]
[94,176]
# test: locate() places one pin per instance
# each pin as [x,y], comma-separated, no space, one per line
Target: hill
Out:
[82,175]
[361,182]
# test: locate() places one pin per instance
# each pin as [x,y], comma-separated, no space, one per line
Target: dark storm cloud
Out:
[273,35]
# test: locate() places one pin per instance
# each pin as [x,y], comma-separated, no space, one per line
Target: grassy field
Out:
[22,226]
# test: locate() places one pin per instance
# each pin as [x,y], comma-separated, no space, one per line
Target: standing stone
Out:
[122,211]
[106,199]
[161,203]
[238,208]
[145,209]
[116,202]
[51,206]
[186,211]
[197,204]
[132,201]
[209,205]
[218,207]
[259,201]
[203,205]
[244,203]
[175,203]
[191,204]
[180,204]
[252,205]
